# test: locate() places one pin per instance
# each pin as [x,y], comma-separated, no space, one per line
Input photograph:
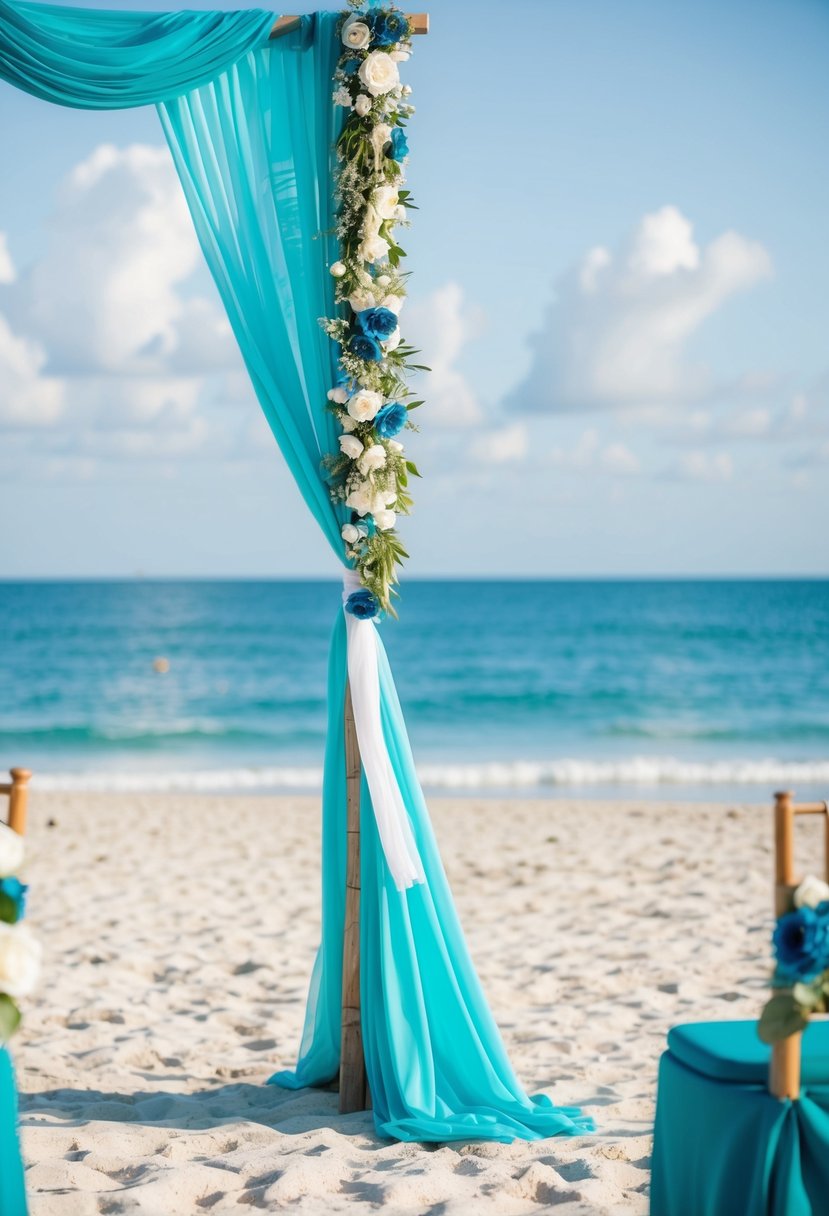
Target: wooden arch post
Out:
[18,792]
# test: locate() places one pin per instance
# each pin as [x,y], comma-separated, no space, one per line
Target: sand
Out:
[179,935]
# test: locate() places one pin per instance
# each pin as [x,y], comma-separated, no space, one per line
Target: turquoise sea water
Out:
[707,688]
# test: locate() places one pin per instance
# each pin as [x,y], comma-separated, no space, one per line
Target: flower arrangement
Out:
[19,949]
[372,401]
[801,948]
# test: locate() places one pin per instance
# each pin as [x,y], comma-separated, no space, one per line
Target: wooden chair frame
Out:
[784,1074]
[18,793]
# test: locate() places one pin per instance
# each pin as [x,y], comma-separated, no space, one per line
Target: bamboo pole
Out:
[419,23]
[352,1060]
[18,792]
[784,1071]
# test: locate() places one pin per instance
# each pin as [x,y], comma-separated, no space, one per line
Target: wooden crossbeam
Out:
[418,22]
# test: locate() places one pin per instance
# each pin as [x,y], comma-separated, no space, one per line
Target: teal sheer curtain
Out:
[12,1190]
[254,150]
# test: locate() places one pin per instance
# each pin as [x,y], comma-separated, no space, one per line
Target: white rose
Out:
[349,534]
[388,497]
[350,446]
[372,458]
[361,500]
[384,200]
[346,422]
[338,270]
[342,97]
[362,105]
[811,892]
[372,219]
[373,249]
[20,954]
[356,33]
[360,300]
[392,341]
[379,73]
[385,520]
[12,850]
[400,56]
[382,280]
[394,445]
[338,395]
[364,405]
[393,303]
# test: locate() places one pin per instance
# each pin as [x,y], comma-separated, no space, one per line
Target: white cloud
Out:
[7,270]
[504,446]
[699,465]
[618,458]
[27,397]
[589,452]
[617,331]
[440,326]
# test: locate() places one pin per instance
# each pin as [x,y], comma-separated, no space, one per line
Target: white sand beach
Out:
[179,935]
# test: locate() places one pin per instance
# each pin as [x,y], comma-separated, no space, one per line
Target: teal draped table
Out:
[12,1191]
[252,128]
[723,1145]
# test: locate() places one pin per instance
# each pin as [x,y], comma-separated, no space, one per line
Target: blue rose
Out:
[12,900]
[378,323]
[388,28]
[365,347]
[362,604]
[399,144]
[364,524]
[801,944]
[390,420]
[351,66]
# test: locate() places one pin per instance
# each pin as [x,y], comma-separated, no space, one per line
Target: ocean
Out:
[631,688]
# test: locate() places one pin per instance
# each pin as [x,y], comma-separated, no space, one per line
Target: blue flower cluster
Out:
[390,420]
[388,28]
[379,323]
[399,144]
[362,604]
[801,943]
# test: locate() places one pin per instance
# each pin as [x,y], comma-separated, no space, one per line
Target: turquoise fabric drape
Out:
[12,1190]
[94,59]
[254,150]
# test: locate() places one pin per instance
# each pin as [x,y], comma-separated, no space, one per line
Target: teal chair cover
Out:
[723,1145]
[12,1191]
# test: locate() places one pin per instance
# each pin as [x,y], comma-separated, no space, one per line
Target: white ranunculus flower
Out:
[399,214]
[361,500]
[811,892]
[349,534]
[392,341]
[373,249]
[364,405]
[20,954]
[342,97]
[372,458]
[346,422]
[12,851]
[338,395]
[355,33]
[362,105]
[360,300]
[384,201]
[385,520]
[350,446]
[393,303]
[338,270]
[379,73]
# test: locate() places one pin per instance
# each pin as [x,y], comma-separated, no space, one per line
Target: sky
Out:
[620,281]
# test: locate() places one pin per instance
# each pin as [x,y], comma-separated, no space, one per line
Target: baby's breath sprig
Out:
[372,402]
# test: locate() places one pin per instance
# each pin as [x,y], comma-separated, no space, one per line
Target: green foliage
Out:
[9,914]
[9,1017]
[783,1016]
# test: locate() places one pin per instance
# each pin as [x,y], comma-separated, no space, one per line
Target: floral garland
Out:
[372,401]
[19,950]
[801,948]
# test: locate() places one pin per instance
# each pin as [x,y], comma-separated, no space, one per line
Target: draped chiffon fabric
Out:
[254,148]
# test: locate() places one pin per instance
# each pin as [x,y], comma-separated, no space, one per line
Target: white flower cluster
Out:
[20,951]
[369,473]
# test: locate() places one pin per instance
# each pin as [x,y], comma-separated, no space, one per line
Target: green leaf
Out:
[9,1017]
[781,1018]
[412,467]
[8,909]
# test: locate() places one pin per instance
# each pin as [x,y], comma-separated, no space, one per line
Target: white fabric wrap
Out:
[393,824]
